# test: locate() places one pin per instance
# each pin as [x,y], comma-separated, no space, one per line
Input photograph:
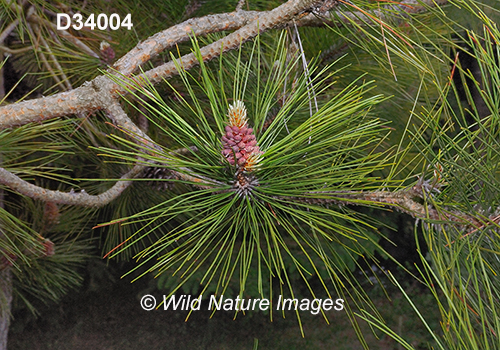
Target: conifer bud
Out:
[51,214]
[48,247]
[107,52]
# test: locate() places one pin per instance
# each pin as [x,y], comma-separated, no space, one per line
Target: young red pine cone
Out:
[107,52]
[48,247]
[239,145]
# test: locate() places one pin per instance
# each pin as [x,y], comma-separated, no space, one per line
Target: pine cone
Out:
[159,173]
[239,145]
[51,214]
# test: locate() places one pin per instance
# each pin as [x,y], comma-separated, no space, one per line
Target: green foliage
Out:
[25,151]
[18,241]
[279,232]
[465,261]
[458,142]
[322,131]
[28,232]
[51,278]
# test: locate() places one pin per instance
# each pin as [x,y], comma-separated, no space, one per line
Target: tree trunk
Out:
[5,303]
[5,283]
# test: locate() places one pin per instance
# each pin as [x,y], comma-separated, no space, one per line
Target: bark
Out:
[5,305]
[5,273]
[5,291]
[94,95]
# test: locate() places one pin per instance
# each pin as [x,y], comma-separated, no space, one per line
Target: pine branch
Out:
[8,30]
[71,198]
[407,200]
[153,46]
[399,10]
[103,92]
[87,97]
[105,96]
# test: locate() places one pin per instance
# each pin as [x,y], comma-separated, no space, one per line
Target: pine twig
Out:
[85,98]
[6,32]
[265,21]
[103,93]
[406,200]
[153,46]
[399,11]
[240,5]
[70,198]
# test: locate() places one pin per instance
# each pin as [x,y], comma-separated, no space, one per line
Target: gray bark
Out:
[5,294]
[5,304]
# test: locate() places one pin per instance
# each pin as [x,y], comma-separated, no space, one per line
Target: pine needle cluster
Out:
[252,204]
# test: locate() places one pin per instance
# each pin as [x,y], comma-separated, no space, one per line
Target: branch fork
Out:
[103,93]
